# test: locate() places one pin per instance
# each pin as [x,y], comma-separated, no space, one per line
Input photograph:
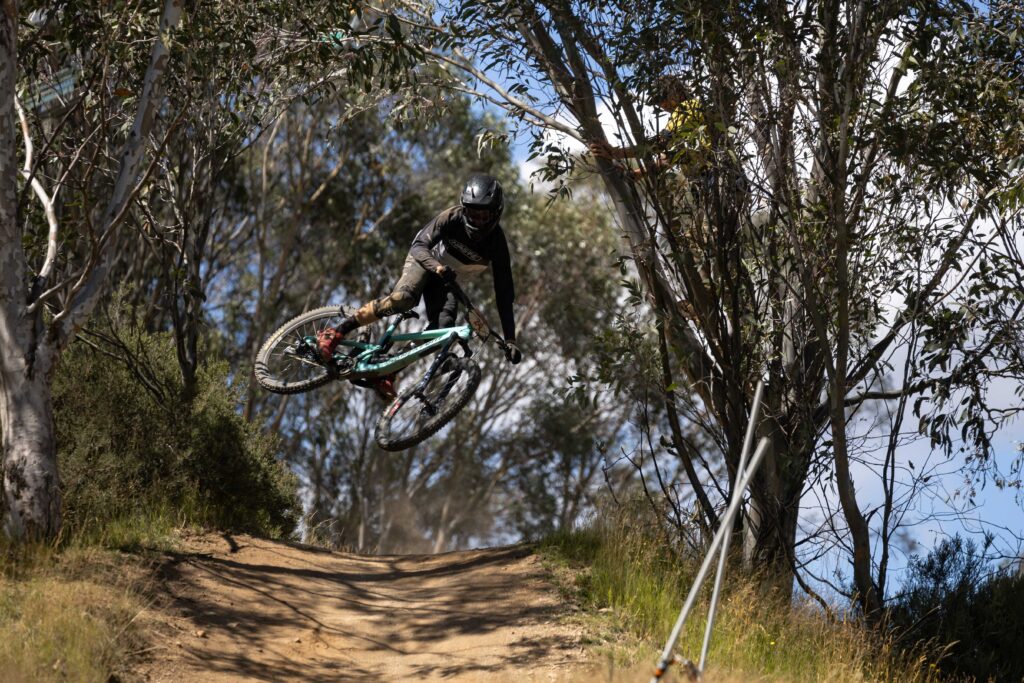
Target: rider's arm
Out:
[427,238]
[504,290]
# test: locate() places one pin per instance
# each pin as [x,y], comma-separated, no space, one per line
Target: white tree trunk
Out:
[441,535]
[31,495]
[28,351]
[30,505]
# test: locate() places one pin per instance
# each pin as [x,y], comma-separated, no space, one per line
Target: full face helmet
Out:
[482,202]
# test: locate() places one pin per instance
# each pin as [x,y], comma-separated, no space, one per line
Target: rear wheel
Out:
[289,361]
[414,415]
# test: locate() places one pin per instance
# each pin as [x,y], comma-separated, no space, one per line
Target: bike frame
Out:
[437,342]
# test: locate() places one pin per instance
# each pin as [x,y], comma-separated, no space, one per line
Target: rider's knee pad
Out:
[399,301]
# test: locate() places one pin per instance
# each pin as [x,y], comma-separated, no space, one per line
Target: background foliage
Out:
[856,236]
[130,444]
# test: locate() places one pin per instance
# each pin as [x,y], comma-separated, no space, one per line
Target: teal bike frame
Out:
[368,361]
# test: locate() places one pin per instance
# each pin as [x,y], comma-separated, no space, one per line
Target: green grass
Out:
[625,577]
[156,530]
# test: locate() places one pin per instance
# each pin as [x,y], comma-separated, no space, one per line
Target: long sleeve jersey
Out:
[443,241]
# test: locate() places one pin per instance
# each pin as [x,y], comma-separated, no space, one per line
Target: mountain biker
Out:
[460,241]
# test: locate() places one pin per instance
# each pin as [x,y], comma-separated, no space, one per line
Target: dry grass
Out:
[65,617]
[633,591]
[71,613]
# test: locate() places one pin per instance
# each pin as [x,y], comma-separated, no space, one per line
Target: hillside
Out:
[243,608]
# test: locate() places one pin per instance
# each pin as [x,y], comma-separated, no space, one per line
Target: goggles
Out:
[479,217]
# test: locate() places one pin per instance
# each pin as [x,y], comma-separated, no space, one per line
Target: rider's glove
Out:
[445,273]
[512,353]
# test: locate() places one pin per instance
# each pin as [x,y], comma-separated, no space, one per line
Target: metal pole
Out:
[723,531]
[747,441]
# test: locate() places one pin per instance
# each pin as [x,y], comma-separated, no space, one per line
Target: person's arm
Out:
[504,289]
[603,149]
[426,239]
[652,145]
[655,146]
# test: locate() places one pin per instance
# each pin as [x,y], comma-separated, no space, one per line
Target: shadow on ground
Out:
[244,608]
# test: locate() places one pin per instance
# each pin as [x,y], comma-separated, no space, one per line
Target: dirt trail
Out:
[241,608]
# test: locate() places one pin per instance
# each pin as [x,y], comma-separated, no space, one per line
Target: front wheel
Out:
[288,362]
[415,415]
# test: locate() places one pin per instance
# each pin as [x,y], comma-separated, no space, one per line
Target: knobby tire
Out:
[450,408]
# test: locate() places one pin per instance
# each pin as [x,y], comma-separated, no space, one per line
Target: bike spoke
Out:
[420,412]
[290,361]
[290,365]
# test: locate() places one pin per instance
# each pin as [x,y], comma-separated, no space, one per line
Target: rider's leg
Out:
[404,297]
[442,306]
[433,301]
[450,312]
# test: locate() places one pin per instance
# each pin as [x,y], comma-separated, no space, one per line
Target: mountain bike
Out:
[289,362]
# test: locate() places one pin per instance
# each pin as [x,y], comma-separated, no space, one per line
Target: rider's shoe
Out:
[327,340]
[385,388]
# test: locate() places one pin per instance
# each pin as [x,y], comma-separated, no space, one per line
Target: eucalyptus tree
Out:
[818,248]
[238,88]
[337,226]
[83,99]
[32,344]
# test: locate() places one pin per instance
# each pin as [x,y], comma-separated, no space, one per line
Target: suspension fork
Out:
[431,371]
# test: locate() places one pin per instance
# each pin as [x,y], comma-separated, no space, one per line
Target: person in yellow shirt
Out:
[682,164]
[683,145]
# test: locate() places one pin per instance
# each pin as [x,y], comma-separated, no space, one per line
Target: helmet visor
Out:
[480,217]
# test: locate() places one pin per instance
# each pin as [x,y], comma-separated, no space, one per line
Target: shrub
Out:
[954,598]
[129,443]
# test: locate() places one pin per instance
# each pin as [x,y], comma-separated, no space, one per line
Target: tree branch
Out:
[44,199]
[81,305]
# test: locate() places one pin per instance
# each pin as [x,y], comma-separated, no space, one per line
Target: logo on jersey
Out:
[464,250]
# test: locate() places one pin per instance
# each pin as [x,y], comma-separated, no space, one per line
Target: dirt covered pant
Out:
[416,281]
